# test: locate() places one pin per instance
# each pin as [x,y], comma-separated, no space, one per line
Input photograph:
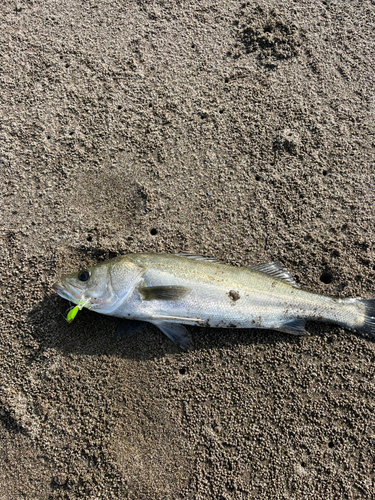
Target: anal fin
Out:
[294,327]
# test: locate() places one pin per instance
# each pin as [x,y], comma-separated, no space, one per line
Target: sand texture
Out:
[243,131]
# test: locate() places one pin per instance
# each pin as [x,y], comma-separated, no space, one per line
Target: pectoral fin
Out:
[170,292]
[175,332]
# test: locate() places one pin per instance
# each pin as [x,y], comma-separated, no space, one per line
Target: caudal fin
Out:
[368,326]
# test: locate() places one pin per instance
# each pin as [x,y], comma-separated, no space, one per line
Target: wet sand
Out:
[243,131]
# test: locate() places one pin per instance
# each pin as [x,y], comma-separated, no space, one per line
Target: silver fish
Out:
[170,291]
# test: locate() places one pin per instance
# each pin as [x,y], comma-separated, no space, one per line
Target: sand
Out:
[243,131]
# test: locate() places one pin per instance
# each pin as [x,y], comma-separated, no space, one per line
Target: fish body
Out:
[174,290]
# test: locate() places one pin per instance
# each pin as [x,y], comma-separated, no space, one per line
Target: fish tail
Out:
[369,323]
[366,307]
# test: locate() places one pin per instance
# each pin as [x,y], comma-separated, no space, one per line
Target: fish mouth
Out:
[68,292]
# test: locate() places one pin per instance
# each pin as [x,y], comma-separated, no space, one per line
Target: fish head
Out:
[104,286]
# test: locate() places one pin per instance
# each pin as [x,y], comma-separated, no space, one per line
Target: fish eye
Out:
[84,275]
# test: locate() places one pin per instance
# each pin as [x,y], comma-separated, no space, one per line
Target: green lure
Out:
[73,312]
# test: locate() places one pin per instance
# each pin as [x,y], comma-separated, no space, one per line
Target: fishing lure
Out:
[72,313]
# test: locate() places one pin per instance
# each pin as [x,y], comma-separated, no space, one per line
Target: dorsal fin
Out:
[277,270]
[196,257]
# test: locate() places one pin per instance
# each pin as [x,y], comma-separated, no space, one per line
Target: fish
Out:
[174,290]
